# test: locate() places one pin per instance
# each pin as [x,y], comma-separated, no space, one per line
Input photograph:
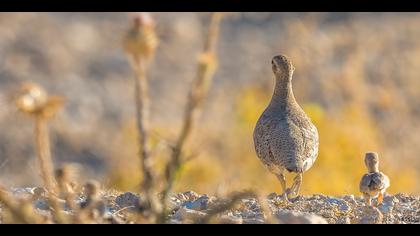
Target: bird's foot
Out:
[285,197]
[291,194]
[368,201]
[281,200]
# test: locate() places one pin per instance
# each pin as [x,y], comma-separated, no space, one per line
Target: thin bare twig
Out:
[228,205]
[205,71]
[140,44]
[34,100]
[44,152]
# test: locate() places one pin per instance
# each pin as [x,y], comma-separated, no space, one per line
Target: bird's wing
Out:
[310,145]
[379,181]
[262,136]
[365,183]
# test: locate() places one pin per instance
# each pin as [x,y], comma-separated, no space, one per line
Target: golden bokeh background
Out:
[356,76]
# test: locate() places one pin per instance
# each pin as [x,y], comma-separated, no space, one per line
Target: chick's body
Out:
[374,183]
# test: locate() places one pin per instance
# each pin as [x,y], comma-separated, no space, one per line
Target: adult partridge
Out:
[284,136]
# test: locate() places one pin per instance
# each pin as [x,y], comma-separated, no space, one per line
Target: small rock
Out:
[185,214]
[127,200]
[292,217]
[23,193]
[344,208]
[230,219]
[41,204]
[249,214]
[372,215]
[189,196]
[200,204]
[386,207]
[253,221]
[335,201]
[402,197]
[350,199]
[392,199]
[343,220]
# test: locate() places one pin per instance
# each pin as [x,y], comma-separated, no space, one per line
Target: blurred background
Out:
[357,76]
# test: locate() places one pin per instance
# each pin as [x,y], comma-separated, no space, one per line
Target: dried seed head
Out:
[54,104]
[141,41]
[141,19]
[31,98]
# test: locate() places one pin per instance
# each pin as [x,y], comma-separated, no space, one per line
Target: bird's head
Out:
[282,67]
[372,161]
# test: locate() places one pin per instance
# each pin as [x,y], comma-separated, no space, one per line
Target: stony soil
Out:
[188,207]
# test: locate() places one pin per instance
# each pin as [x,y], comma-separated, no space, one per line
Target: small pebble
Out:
[127,200]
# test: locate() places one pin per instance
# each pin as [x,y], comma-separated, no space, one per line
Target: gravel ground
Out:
[188,207]
[395,209]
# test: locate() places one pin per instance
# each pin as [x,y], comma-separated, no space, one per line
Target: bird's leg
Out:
[282,179]
[367,199]
[297,181]
[380,198]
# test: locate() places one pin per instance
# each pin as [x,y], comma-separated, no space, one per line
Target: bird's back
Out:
[286,138]
[372,183]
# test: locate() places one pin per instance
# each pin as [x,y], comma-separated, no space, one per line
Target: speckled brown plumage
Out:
[284,136]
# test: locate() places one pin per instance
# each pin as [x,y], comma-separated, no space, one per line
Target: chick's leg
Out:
[367,199]
[380,198]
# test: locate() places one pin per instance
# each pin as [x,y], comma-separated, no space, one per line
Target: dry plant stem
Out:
[142,115]
[44,152]
[196,95]
[46,165]
[231,202]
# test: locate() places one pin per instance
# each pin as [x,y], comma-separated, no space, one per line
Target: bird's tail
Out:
[295,168]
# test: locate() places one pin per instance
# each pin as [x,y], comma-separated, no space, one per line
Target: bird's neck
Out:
[373,169]
[283,93]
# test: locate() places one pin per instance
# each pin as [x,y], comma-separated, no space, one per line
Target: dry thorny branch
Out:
[140,44]
[227,205]
[207,64]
